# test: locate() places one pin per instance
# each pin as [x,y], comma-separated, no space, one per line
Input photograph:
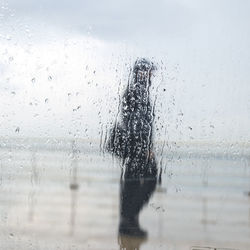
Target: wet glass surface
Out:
[124,124]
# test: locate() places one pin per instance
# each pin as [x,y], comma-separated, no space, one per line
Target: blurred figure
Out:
[135,192]
[131,140]
[131,137]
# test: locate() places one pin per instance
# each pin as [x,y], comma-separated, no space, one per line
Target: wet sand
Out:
[55,199]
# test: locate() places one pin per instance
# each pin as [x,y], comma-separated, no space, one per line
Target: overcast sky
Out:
[62,63]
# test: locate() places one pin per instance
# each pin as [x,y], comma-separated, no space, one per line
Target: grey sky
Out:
[203,46]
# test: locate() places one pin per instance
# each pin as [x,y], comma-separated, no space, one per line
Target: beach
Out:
[69,199]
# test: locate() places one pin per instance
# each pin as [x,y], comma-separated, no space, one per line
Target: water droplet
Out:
[33,80]
[46,100]
[50,78]
[17,130]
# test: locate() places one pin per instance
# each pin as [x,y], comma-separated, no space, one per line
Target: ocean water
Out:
[68,197]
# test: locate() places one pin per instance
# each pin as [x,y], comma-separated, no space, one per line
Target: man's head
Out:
[142,70]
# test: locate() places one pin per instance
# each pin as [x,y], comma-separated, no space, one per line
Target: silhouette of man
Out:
[131,140]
